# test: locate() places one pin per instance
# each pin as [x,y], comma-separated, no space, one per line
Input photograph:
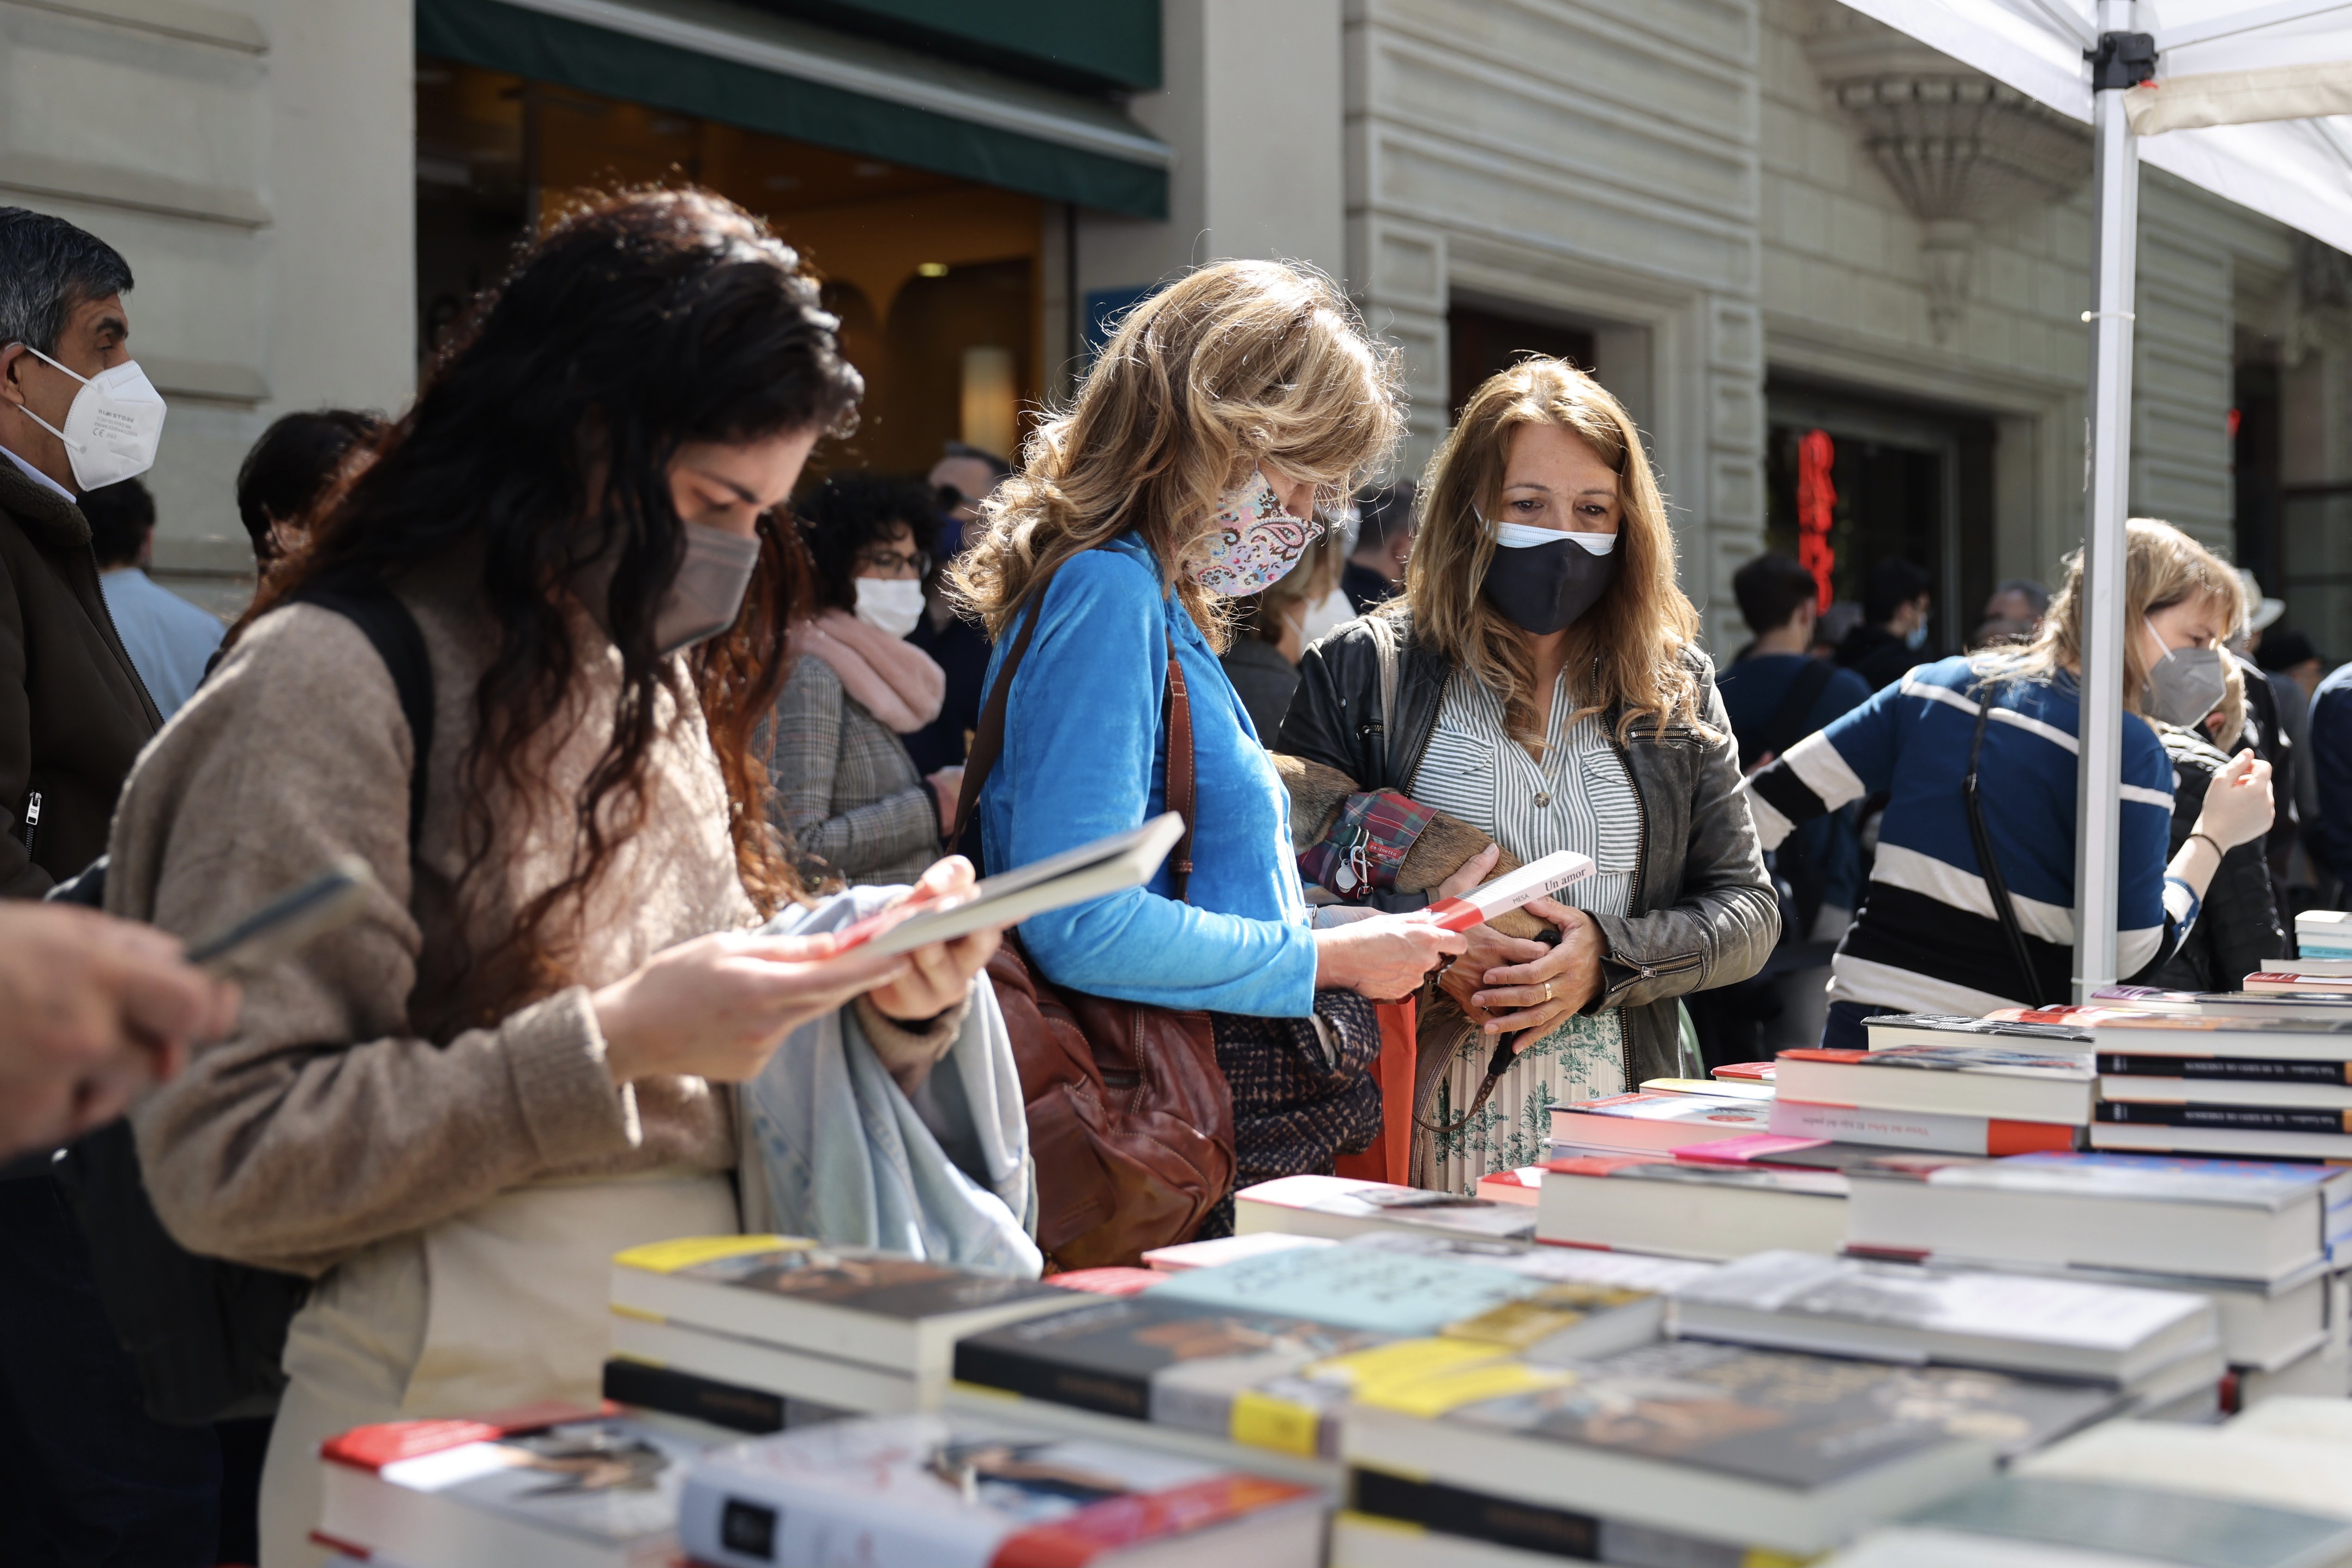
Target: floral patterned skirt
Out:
[1583,1057]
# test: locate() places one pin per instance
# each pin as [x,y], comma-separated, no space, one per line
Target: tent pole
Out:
[2108,475]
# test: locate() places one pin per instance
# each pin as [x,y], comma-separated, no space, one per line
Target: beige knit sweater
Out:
[331,1119]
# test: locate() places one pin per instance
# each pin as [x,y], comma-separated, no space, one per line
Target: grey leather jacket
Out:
[1703,910]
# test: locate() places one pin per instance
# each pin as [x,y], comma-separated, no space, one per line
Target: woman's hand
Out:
[938,976]
[2238,806]
[1537,995]
[716,1006]
[1489,951]
[947,789]
[1469,874]
[1383,957]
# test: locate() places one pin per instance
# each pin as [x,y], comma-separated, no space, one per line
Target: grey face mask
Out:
[707,593]
[2184,685]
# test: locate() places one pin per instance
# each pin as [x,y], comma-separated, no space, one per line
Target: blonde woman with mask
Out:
[1550,692]
[1227,411]
[1931,936]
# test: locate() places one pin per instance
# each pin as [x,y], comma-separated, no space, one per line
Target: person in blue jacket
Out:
[1929,937]
[1226,414]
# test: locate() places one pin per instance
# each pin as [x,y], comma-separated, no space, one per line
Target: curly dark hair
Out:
[849,512]
[539,450]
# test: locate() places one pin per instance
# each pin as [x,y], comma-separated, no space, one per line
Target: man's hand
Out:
[92,1010]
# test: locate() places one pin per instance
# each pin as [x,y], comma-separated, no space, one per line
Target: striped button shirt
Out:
[1927,939]
[1578,798]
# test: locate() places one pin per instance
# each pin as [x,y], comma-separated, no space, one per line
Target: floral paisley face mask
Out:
[1254,542]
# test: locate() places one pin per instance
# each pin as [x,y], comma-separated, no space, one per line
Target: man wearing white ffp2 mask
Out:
[73,716]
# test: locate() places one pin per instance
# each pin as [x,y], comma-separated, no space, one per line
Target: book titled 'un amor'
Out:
[966,1493]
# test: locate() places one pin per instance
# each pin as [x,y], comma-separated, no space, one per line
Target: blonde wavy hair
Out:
[2162,567]
[1234,365]
[1636,642]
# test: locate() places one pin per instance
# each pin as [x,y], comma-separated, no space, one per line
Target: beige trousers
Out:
[502,1306]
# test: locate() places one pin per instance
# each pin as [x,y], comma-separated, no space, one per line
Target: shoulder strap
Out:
[988,736]
[1384,647]
[1790,722]
[392,631]
[1996,885]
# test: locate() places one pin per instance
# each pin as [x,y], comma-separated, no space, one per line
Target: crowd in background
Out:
[675,712]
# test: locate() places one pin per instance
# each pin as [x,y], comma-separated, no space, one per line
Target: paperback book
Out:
[967,1493]
[576,1490]
[1761,1448]
[2254,1131]
[1641,1122]
[2111,1522]
[1889,1030]
[2227,1219]
[2013,1323]
[2219,1035]
[1645,1204]
[1341,1207]
[1931,1130]
[861,1306]
[2225,1080]
[1985,1080]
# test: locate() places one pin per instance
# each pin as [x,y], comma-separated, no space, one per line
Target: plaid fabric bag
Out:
[1360,854]
[1303,1094]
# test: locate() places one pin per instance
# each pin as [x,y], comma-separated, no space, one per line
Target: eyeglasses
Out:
[893,563]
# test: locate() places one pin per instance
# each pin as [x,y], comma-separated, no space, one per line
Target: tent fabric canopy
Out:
[764,73]
[2251,61]
[2298,172]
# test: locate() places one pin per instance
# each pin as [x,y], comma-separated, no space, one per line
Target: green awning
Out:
[764,73]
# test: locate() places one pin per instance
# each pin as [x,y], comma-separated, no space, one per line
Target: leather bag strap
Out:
[1996,885]
[988,738]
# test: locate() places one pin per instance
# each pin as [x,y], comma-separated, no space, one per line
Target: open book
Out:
[1107,865]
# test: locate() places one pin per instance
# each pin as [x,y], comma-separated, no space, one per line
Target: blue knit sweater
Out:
[1086,756]
[1927,939]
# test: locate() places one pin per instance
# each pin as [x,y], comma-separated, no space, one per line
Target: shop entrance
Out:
[936,279]
[1904,482]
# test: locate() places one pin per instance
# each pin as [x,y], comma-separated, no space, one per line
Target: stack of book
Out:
[2258,1239]
[1681,1452]
[975,1492]
[2154,1347]
[732,1328]
[2324,934]
[2224,1080]
[2272,1488]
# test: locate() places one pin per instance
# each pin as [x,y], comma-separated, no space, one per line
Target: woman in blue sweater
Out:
[1929,938]
[1225,413]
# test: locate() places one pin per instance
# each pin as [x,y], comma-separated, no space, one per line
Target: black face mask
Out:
[1547,587]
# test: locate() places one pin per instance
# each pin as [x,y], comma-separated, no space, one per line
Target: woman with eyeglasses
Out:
[845,790]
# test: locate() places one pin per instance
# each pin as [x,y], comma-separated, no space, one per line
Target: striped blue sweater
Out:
[1926,939]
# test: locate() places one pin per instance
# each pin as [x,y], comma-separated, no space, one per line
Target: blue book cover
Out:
[1357,1288]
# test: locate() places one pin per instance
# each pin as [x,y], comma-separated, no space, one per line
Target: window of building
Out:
[936,279]
[1912,483]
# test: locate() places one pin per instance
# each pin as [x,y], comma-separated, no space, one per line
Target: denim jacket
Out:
[1086,754]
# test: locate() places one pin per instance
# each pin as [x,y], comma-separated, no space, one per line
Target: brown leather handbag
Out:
[1131,1121]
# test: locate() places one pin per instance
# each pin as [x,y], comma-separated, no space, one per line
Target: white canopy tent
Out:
[2251,100]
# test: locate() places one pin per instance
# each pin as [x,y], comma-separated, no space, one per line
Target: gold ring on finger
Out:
[1547,990]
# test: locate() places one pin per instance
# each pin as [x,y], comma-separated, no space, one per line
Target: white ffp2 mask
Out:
[113,426]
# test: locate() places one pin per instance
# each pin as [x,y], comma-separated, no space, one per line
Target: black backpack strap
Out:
[1792,720]
[1996,885]
[399,641]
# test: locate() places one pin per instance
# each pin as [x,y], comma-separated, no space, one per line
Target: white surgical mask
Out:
[113,426]
[707,593]
[1519,535]
[893,603]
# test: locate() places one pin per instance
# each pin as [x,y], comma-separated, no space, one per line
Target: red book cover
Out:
[1111,1281]
[1745,1071]
[1604,1165]
[373,1448]
[1122,1521]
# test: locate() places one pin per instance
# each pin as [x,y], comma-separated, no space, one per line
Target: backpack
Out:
[206,1334]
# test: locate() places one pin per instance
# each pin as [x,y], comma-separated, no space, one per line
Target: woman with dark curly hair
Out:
[847,790]
[451,1113]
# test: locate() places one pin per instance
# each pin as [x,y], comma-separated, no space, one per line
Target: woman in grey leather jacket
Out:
[1543,683]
